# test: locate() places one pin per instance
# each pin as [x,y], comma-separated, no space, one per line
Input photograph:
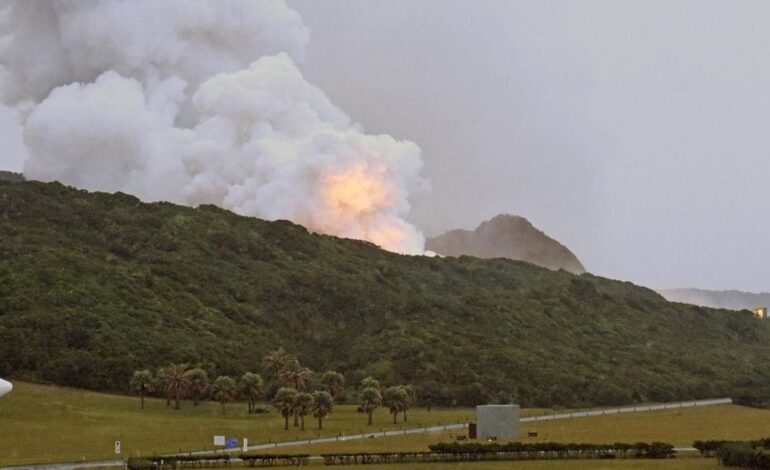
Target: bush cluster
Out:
[744,454]
[709,448]
[471,452]
[655,450]
[178,461]
[270,460]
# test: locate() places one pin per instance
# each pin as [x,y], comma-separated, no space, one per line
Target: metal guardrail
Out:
[628,409]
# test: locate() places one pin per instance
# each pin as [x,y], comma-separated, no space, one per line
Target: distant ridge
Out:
[507,236]
[11,177]
[731,299]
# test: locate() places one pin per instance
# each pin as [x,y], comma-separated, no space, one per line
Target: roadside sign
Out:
[219,440]
[117,447]
[245,445]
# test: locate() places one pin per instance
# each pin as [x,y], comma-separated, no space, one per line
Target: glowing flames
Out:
[391,237]
[356,196]
[357,190]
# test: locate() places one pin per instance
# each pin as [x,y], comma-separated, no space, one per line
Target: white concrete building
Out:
[497,421]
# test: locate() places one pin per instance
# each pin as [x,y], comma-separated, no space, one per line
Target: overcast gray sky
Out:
[637,133]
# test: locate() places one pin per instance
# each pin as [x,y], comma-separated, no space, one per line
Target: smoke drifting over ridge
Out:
[196,102]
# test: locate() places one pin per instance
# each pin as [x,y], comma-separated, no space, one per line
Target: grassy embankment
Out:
[43,424]
[678,427]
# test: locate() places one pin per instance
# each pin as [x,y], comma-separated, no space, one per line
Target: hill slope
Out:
[732,299]
[507,236]
[94,286]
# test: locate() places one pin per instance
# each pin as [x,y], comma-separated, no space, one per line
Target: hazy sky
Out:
[637,133]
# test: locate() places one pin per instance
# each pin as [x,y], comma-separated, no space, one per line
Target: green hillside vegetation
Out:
[94,286]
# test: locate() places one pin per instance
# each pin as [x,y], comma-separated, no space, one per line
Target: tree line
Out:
[294,398]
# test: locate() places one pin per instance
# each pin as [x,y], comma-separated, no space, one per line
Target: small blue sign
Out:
[232,443]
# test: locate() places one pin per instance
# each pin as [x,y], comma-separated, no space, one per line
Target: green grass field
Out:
[43,424]
[679,427]
[687,463]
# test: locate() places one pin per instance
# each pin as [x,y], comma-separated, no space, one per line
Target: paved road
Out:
[397,432]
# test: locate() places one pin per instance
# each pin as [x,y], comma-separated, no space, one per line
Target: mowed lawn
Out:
[45,424]
[679,427]
[41,424]
[685,463]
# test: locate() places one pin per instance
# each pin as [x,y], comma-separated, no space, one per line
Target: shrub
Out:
[140,464]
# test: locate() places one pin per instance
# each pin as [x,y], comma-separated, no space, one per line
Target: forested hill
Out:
[94,286]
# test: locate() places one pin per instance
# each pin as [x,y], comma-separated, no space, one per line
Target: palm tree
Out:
[224,389]
[372,399]
[303,406]
[251,389]
[198,383]
[411,401]
[276,362]
[322,406]
[142,383]
[177,382]
[370,382]
[161,383]
[295,376]
[284,402]
[334,383]
[395,399]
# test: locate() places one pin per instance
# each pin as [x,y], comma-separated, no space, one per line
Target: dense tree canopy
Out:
[95,286]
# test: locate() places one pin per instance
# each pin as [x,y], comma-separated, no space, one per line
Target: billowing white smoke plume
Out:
[196,101]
